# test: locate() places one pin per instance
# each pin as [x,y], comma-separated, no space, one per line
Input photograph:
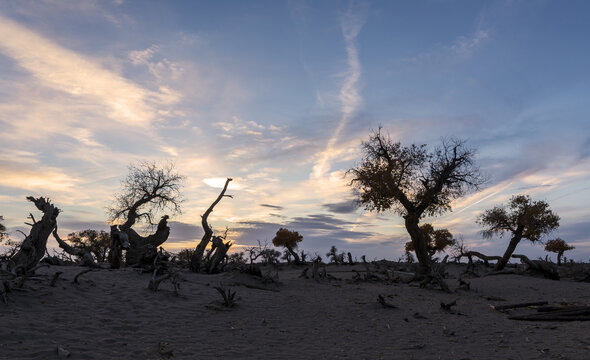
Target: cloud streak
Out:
[350,97]
[64,70]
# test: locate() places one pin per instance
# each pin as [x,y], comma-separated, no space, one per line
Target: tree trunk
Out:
[296,258]
[197,258]
[142,249]
[559,255]
[218,254]
[419,243]
[119,241]
[34,245]
[511,247]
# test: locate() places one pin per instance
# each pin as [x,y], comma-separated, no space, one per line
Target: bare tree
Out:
[558,246]
[34,245]
[197,258]
[289,240]
[523,219]
[147,190]
[413,182]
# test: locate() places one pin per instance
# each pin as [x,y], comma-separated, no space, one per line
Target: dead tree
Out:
[147,190]
[350,261]
[544,268]
[197,259]
[142,249]
[471,254]
[85,256]
[119,242]
[34,245]
[414,183]
[218,253]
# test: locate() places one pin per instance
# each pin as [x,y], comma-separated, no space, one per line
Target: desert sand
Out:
[111,314]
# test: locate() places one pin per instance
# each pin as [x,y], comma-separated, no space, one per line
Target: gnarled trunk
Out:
[85,256]
[34,245]
[197,258]
[509,250]
[419,243]
[218,253]
[296,258]
[142,249]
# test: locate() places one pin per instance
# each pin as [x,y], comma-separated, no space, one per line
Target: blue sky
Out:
[279,95]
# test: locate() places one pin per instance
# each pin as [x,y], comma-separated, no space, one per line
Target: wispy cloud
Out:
[67,71]
[461,48]
[276,207]
[350,97]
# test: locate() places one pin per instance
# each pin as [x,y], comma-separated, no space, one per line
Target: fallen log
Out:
[545,268]
[519,305]
[80,274]
[386,304]
[536,317]
[54,278]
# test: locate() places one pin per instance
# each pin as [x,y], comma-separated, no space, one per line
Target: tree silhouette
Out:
[289,240]
[95,242]
[558,246]
[2,229]
[436,240]
[413,182]
[33,247]
[147,190]
[334,256]
[523,219]
[197,258]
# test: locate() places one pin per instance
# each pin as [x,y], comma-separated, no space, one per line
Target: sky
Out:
[279,95]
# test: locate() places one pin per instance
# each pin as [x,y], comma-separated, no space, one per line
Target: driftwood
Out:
[14,279]
[4,290]
[156,280]
[436,275]
[34,245]
[544,268]
[557,313]
[162,272]
[448,306]
[80,274]
[519,305]
[54,278]
[386,304]
[471,254]
[197,258]
[471,265]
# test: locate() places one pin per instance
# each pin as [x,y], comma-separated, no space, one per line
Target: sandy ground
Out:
[112,315]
